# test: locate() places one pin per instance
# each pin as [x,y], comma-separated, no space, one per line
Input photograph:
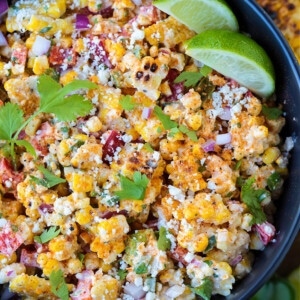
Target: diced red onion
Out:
[137,2]
[222,139]
[40,46]
[110,214]
[45,208]
[3,7]
[236,260]
[226,114]
[10,273]
[82,22]
[146,113]
[136,292]
[107,12]
[3,41]
[266,232]
[175,291]
[209,145]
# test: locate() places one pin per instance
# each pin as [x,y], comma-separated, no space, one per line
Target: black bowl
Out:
[254,21]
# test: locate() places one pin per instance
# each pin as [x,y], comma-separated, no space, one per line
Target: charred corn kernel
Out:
[194,121]
[48,264]
[68,77]
[92,261]
[86,237]
[82,183]
[270,155]
[201,244]
[62,248]
[132,132]
[113,228]
[93,124]
[40,65]
[102,286]
[73,266]
[84,216]
[31,286]
[165,88]
[56,8]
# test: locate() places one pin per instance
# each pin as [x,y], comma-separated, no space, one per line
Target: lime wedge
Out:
[236,56]
[200,15]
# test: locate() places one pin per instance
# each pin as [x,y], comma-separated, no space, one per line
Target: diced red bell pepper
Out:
[10,241]
[60,56]
[113,141]
[43,137]
[19,55]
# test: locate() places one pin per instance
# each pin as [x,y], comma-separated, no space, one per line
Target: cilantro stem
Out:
[25,124]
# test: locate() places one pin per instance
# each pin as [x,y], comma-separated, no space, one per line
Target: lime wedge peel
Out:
[200,15]
[236,56]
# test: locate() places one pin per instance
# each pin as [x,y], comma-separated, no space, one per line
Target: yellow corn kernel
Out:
[65,25]
[82,183]
[3,72]
[37,23]
[226,267]
[4,260]
[84,216]
[103,285]
[79,45]
[68,77]
[29,42]
[201,244]
[169,168]
[92,261]
[40,65]
[93,124]
[30,62]
[105,267]
[31,286]
[113,228]
[48,264]
[270,155]
[194,121]
[81,137]
[73,266]
[56,8]
[63,148]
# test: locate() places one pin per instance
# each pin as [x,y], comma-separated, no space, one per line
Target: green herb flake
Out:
[122,274]
[238,165]
[14,228]
[148,147]
[212,241]
[208,262]
[205,70]
[49,179]
[190,133]
[127,103]
[205,289]
[165,119]
[134,190]
[190,78]
[141,269]
[47,235]
[81,257]
[271,113]
[273,181]
[163,242]
[252,198]
[45,29]
[58,285]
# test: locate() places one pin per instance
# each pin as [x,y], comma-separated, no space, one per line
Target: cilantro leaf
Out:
[163,242]
[148,147]
[135,189]
[189,78]
[252,198]
[58,285]
[205,289]
[11,118]
[271,113]
[49,179]
[127,103]
[165,119]
[122,274]
[205,70]
[29,148]
[190,133]
[141,269]
[65,108]
[47,235]
[273,181]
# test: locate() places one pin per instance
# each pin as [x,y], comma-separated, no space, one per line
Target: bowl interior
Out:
[254,21]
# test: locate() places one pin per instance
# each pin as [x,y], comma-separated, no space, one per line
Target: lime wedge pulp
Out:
[236,56]
[200,15]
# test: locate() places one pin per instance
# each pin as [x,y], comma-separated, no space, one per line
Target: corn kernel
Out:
[201,244]
[56,8]
[270,155]
[82,183]
[84,216]
[40,65]
[68,77]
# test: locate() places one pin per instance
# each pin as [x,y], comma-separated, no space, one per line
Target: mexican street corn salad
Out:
[128,170]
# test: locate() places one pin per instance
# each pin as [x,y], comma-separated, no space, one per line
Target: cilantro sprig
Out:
[49,179]
[252,198]
[127,103]
[205,289]
[58,285]
[54,99]
[271,113]
[168,124]
[192,78]
[134,190]
[47,235]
